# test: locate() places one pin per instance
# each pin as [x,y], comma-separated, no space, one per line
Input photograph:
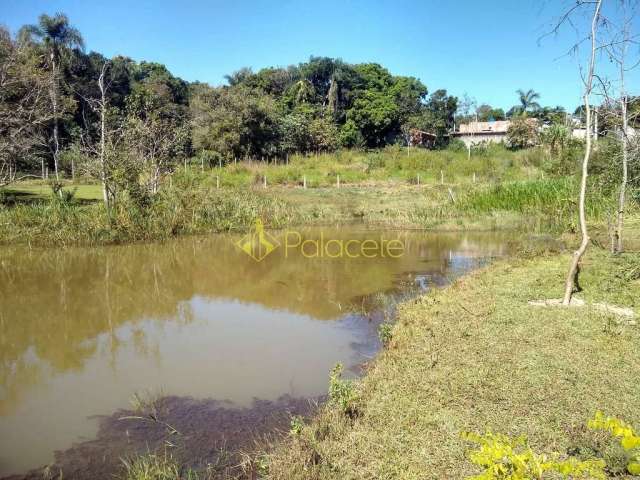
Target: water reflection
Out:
[81,329]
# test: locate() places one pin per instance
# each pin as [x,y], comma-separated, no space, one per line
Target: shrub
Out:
[457,145]
[342,392]
[385,333]
[503,458]
[297,425]
[522,133]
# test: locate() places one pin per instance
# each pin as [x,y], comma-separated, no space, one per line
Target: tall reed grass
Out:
[185,207]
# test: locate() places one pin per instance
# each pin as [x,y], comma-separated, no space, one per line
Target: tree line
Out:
[59,104]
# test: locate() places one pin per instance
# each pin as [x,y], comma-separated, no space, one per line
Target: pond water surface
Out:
[83,329]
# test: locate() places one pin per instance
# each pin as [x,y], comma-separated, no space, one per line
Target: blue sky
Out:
[485,49]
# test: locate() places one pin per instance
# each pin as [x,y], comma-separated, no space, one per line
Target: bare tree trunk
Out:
[618,247]
[54,101]
[625,175]
[156,177]
[103,166]
[574,268]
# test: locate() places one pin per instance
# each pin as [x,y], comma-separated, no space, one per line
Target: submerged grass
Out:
[476,357]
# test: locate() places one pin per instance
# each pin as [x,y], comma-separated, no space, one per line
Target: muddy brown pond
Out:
[228,346]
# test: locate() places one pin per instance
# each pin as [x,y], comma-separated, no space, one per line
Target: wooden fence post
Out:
[441,177]
[265,181]
[217,181]
[338,181]
[304,181]
[418,179]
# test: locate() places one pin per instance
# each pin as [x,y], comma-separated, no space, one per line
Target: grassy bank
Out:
[191,206]
[179,210]
[495,189]
[475,357]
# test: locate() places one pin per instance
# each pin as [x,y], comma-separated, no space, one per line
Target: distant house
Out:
[579,133]
[418,138]
[479,132]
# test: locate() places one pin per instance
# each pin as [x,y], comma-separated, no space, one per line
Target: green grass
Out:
[474,357]
[549,204]
[390,165]
[158,467]
[378,187]
[40,190]
[191,206]
[183,208]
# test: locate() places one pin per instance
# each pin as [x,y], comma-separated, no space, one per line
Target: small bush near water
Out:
[342,392]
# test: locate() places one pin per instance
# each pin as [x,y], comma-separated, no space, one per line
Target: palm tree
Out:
[239,76]
[528,99]
[57,37]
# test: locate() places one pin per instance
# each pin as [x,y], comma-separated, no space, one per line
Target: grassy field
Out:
[495,189]
[391,165]
[476,357]
[39,190]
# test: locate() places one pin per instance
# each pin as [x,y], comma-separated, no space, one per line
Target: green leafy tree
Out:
[323,133]
[487,113]
[349,135]
[522,133]
[435,116]
[234,122]
[24,108]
